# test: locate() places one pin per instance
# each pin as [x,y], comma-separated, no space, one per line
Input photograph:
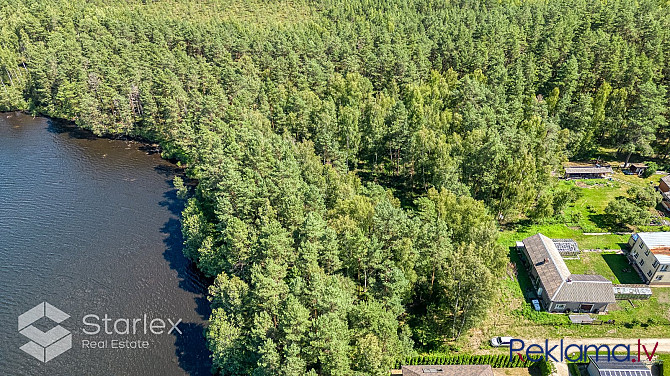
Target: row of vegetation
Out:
[495,361]
[352,157]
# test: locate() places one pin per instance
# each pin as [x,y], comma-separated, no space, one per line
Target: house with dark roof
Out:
[560,290]
[588,172]
[453,370]
[603,367]
[650,254]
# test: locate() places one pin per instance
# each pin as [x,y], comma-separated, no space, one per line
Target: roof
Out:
[560,284]
[589,170]
[666,179]
[638,165]
[586,288]
[605,367]
[658,243]
[460,370]
[655,241]
[547,261]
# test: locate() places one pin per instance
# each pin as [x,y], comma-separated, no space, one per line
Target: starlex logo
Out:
[45,346]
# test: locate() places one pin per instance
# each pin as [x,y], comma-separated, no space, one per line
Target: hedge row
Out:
[495,361]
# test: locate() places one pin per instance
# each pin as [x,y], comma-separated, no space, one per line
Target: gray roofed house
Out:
[650,254]
[453,370]
[588,172]
[559,289]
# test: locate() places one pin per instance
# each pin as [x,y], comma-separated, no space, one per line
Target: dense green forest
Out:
[354,158]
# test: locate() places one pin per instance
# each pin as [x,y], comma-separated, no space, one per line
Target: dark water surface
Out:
[91,226]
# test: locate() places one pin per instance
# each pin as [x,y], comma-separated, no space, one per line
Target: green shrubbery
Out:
[495,361]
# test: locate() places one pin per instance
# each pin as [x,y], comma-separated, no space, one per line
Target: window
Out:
[641,262]
[559,306]
[655,264]
[659,277]
[646,252]
[664,268]
[640,245]
[649,273]
[636,255]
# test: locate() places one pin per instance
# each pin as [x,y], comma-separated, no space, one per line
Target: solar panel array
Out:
[566,246]
[626,373]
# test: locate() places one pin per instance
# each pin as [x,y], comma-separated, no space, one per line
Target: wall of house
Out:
[645,260]
[661,277]
[575,307]
[663,187]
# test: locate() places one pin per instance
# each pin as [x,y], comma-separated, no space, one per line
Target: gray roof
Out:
[655,239]
[586,288]
[560,284]
[460,370]
[658,243]
[547,261]
[666,179]
[589,170]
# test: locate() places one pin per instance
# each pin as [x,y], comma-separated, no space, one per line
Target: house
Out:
[560,290]
[650,253]
[603,367]
[588,172]
[459,370]
[664,187]
[637,168]
[664,184]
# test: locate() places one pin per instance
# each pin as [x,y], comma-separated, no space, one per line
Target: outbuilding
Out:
[588,172]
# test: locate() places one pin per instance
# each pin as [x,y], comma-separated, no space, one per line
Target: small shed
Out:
[588,172]
[637,168]
[626,292]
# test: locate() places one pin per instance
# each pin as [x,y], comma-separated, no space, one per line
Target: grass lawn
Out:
[665,358]
[610,265]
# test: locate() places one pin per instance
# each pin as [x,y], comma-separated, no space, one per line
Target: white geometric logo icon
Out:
[45,346]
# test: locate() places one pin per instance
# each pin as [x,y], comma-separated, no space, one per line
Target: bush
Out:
[546,367]
[652,167]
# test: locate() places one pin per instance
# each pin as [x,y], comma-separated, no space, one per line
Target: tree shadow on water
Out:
[66,127]
[191,347]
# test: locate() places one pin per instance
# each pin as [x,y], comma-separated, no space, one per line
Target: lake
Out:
[91,227]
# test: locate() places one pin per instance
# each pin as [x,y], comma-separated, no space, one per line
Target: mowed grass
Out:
[613,266]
